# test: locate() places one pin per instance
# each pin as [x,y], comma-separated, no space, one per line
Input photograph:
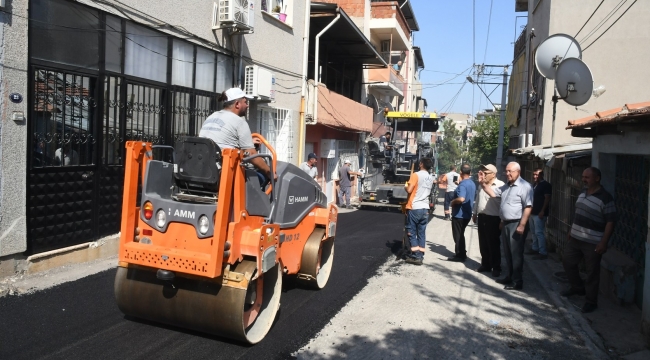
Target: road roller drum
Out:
[204,247]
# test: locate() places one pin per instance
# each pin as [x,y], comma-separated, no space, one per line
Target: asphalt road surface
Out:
[80,320]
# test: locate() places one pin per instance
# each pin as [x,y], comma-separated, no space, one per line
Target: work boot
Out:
[572,291]
[589,307]
[414,261]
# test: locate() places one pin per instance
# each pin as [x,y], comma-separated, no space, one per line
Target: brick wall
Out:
[354,8]
[390,9]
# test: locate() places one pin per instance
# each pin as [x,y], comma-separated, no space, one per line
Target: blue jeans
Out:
[537,227]
[344,190]
[416,228]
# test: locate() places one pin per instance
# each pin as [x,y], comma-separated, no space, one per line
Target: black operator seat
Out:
[198,165]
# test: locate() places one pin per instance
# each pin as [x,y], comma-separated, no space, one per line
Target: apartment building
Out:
[86,76]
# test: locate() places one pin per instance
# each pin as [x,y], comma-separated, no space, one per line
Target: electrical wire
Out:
[487,39]
[603,21]
[590,16]
[614,23]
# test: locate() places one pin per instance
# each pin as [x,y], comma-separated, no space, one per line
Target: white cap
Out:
[347,162]
[236,93]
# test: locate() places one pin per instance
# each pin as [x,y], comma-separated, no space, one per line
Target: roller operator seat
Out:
[198,165]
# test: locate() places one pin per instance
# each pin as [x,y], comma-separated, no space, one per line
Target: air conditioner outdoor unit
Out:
[522,140]
[258,82]
[239,14]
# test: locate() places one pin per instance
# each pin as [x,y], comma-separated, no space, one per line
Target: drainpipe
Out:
[305,61]
[241,60]
[316,62]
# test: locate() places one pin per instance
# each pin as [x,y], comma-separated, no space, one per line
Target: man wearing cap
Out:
[345,184]
[516,205]
[309,166]
[229,130]
[486,216]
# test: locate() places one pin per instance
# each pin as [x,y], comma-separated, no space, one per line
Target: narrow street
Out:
[375,307]
[446,310]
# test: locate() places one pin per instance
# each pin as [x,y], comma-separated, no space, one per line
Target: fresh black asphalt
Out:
[80,320]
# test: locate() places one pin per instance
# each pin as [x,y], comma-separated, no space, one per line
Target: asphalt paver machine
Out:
[386,171]
[204,247]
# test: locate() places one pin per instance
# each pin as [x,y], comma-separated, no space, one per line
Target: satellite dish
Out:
[574,81]
[553,50]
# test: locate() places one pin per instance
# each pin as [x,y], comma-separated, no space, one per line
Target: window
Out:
[146,53]
[276,125]
[281,9]
[205,60]
[183,63]
[64,32]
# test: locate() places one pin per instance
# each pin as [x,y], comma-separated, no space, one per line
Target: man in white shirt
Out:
[453,178]
[309,166]
[486,215]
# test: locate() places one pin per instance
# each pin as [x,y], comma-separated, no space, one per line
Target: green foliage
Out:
[449,151]
[483,146]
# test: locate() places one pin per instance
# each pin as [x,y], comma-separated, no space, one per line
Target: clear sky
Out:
[445,38]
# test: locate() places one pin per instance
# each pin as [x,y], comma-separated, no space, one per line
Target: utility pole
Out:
[502,119]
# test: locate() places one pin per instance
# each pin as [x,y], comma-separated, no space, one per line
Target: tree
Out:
[484,143]
[449,150]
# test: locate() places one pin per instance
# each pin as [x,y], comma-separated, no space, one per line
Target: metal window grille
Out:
[113,105]
[63,118]
[567,186]
[276,125]
[144,111]
[631,183]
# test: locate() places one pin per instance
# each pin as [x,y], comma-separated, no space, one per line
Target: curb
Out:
[578,323]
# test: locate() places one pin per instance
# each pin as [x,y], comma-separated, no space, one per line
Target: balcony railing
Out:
[387,75]
[520,44]
[390,9]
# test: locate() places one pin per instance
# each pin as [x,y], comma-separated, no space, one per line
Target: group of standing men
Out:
[504,212]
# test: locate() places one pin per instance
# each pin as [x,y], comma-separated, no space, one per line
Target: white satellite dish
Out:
[574,81]
[553,50]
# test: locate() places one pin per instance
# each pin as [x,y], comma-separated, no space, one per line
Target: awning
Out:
[546,152]
[418,56]
[413,121]
[350,45]
[407,10]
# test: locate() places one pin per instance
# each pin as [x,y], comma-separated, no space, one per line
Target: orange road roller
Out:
[204,246]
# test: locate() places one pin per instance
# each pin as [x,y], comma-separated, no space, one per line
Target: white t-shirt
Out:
[312,171]
[227,130]
[451,185]
[71,158]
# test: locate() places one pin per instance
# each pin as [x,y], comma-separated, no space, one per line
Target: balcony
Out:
[337,110]
[386,81]
[388,22]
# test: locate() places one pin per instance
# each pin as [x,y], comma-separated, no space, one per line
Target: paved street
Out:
[79,320]
[445,310]
[375,307]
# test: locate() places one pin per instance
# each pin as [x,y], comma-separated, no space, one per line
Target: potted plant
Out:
[282,16]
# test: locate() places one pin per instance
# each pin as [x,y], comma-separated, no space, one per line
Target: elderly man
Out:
[486,216]
[309,166]
[592,227]
[516,204]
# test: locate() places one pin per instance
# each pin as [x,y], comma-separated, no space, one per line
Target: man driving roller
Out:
[228,129]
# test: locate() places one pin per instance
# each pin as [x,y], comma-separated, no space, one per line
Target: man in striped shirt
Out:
[592,227]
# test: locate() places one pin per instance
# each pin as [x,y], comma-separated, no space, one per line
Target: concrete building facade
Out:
[86,76]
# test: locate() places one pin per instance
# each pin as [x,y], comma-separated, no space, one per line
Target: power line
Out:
[604,20]
[487,40]
[590,16]
[614,23]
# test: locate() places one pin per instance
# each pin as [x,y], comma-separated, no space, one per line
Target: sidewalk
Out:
[447,310]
